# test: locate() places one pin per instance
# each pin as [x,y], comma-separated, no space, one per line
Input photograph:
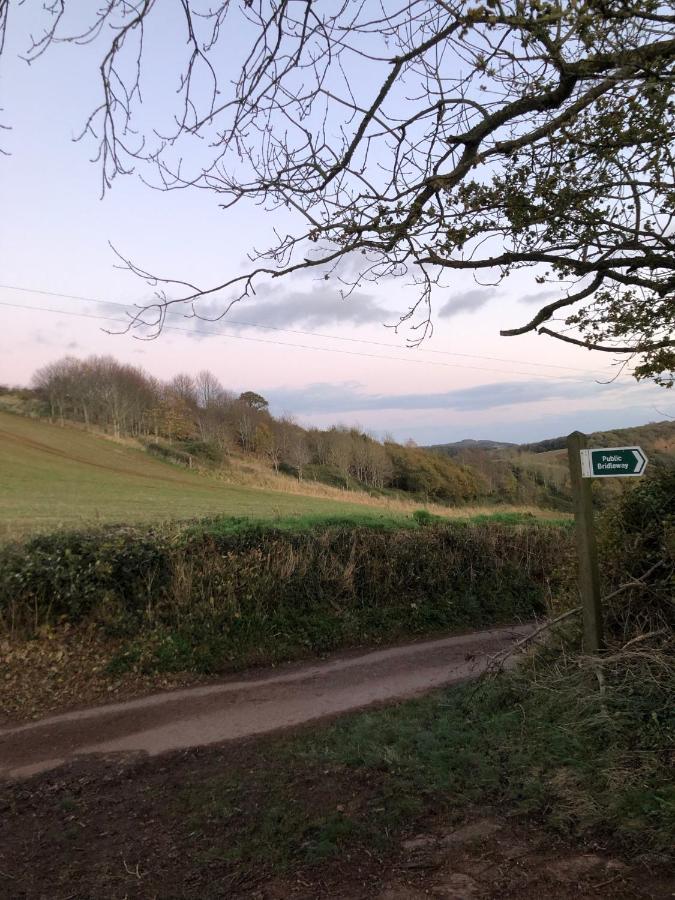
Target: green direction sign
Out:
[613,462]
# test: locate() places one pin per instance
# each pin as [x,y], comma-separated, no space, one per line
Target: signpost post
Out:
[585,463]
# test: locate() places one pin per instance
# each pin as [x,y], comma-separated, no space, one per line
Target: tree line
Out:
[196,417]
[196,420]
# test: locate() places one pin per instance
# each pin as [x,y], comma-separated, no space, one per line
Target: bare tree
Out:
[268,442]
[99,391]
[247,421]
[421,140]
[184,387]
[340,450]
[298,454]
[54,381]
[207,388]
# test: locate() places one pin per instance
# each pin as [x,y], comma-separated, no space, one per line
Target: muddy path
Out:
[236,708]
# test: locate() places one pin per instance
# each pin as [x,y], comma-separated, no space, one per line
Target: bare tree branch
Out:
[413,141]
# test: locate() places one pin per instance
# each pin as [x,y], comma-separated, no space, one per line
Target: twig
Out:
[644,637]
[635,582]
[605,883]
[135,871]
[601,685]
[521,643]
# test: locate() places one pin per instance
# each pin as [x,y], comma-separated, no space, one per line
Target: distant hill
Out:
[451,449]
[659,436]
[538,473]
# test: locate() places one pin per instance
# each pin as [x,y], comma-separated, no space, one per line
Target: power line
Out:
[239,337]
[333,337]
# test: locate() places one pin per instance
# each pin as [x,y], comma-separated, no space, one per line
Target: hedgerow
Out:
[212,597]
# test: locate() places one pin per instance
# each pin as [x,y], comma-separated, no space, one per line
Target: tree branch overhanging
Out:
[416,141]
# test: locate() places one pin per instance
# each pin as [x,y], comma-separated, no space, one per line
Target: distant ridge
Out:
[661,434]
[469,444]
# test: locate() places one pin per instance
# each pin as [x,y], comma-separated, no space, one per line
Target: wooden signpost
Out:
[585,463]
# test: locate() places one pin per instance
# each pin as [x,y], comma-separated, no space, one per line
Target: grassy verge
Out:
[514,744]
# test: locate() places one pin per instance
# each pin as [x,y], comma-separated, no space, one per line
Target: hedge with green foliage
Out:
[211,597]
[637,555]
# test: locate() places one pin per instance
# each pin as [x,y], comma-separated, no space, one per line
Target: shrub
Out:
[637,552]
[205,451]
[168,452]
[184,452]
[210,598]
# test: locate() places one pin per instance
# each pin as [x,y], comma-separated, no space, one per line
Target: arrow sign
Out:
[613,462]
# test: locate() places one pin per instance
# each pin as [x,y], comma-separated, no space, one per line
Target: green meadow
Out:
[62,477]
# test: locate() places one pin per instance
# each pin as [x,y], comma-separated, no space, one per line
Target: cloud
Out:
[316,308]
[353,265]
[539,298]
[469,301]
[349,396]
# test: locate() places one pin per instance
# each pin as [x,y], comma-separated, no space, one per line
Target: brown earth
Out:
[254,818]
[268,701]
[65,668]
[146,829]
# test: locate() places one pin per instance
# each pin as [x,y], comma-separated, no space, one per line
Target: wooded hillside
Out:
[198,422]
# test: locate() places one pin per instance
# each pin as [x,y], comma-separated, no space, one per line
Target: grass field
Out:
[62,477]
[53,477]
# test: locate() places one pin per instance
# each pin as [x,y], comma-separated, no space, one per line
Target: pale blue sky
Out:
[55,233]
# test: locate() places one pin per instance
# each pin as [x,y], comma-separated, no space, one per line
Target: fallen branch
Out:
[635,582]
[644,637]
[499,658]
[497,661]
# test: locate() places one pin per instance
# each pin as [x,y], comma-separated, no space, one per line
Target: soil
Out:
[270,701]
[117,828]
[238,818]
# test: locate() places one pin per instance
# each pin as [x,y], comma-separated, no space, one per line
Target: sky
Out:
[312,354]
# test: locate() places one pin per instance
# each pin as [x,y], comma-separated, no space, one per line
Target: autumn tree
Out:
[254,401]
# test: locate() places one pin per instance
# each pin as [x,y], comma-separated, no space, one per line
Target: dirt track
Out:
[236,708]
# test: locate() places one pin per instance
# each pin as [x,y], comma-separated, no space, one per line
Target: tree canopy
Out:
[420,139]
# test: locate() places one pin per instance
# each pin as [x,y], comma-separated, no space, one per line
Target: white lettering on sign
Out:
[617,461]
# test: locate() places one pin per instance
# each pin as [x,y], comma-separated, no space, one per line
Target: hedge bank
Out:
[210,598]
